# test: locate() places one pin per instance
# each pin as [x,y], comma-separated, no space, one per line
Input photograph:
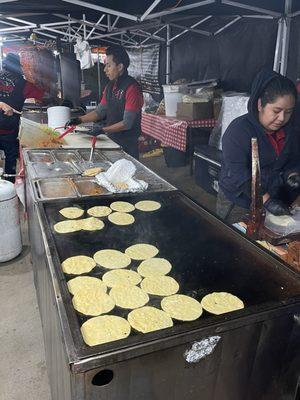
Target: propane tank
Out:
[10,232]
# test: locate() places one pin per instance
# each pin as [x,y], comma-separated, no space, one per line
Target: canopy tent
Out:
[168,22]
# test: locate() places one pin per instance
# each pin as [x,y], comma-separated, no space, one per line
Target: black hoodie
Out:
[235,178]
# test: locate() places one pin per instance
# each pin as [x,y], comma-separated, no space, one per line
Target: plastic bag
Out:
[119,178]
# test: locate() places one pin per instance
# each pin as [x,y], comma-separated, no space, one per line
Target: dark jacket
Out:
[11,92]
[235,178]
[115,100]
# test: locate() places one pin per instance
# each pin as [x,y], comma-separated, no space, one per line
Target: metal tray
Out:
[55,188]
[97,155]
[88,187]
[40,156]
[66,155]
[52,170]
[84,165]
[206,255]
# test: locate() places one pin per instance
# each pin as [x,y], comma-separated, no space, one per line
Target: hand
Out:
[276,207]
[96,131]
[8,110]
[293,180]
[73,121]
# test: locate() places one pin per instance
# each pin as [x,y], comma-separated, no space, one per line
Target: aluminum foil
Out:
[202,349]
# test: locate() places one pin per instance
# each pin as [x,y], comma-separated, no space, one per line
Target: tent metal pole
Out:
[286,37]
[98,22]
[227,25]
[248,7]
[80,21]
[168,55]
[191,29]
[154,33]
[151,36]
[102,9]
[149,9]
[107,35]
[18,28]
[84,27]
[276,64]
[295,14]
[178,9]
[57,24]
[98,73]
[115,23]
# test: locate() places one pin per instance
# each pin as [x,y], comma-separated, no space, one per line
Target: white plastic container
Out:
[58,116]
[10,232]
[173,94]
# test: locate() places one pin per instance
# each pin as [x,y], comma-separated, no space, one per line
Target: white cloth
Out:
[119,178]
[83,54]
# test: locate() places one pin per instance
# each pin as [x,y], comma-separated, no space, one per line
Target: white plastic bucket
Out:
[173,94]
[10,243]
[58,116]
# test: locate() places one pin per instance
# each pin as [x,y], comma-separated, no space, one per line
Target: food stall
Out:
[246,352]
[249,352]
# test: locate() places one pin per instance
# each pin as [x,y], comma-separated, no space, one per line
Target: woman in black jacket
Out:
[270,108]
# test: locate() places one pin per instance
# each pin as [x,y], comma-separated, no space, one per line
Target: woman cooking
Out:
[270,109]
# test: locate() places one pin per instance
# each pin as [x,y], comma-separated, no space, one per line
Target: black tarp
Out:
[234,56]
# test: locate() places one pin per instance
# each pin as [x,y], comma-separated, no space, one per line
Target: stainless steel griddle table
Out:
[252,354]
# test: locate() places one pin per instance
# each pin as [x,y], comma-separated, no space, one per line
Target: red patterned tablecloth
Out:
[171,131]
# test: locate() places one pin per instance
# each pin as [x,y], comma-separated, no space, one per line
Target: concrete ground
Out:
[23,373]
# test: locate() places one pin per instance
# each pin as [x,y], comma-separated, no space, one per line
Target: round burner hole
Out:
[103,377]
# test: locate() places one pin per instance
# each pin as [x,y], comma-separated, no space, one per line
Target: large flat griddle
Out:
[206,256]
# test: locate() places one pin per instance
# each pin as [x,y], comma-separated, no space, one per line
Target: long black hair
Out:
[277,87]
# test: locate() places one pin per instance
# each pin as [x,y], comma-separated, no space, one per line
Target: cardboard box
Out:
[194,111]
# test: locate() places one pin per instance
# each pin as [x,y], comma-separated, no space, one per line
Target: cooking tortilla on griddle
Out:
[181,307]
[67,226]
[147,205]
[122,206]
[160,285]
[112,259]
[121,277]
[85,283]
[141,251]
[129,297]
[148,319]
[154,266]
[104,329]
[99,211]
[221,302]
[71,212]
[78,265]
[121,218]
[92,302]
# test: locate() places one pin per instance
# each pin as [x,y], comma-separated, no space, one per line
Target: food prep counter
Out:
[247,354]
[31,130]
[57,173]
